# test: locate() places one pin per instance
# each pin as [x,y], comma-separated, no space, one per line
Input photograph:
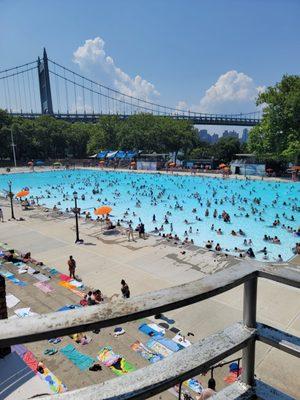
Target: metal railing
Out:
[190,361]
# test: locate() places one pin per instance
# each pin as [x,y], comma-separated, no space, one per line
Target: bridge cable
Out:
[33,91]
[75,94]
[57,91]
[25,93]
[66,90]
[29,91]
[8,92]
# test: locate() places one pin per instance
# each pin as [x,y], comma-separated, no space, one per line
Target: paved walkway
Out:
[153,264]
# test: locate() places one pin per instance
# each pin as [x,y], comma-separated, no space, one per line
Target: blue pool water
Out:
[159,194]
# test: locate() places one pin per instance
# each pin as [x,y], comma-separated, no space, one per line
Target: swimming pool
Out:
[252,205]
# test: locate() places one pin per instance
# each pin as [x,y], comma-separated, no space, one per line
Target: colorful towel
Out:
[69,307]
[145,328]
[44,287]
[194,385]
[5,273]
[158,348]
[53,271]
[53,382]
[72,288]
[30,360]
[80,360]
[64,277]
[16,281]
[168,343]
[76,284]
[107,356]
[116,363]
[122,367]
[146,353]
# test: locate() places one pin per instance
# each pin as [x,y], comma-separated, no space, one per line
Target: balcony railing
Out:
[189,362]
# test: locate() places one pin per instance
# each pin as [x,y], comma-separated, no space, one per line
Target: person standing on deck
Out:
[72,267]
[125,289]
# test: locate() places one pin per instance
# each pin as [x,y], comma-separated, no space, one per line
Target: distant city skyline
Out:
[212,137]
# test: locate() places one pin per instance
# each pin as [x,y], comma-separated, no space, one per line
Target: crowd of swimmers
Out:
[232,209]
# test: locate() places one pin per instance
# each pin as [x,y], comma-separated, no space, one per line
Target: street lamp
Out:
[11,195]
[76,211]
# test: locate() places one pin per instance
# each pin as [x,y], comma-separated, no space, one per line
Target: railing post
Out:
[3,313]
[249,319]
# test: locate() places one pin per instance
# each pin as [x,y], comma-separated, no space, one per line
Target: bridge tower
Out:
[44,82]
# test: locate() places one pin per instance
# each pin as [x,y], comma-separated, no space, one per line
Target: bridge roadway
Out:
[196,119]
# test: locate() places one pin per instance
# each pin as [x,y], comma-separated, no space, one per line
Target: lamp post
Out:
[11,195]
[75,194]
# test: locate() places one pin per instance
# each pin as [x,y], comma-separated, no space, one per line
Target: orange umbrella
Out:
[296,168]
[172,164]
[22,193]
[102,210]
[132,163]
[30,163]
[222,165]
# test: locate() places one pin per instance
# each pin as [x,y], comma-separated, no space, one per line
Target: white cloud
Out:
[92,53]
[233,92]
[232,89]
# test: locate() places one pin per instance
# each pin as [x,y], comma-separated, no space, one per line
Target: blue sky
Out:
[211,56]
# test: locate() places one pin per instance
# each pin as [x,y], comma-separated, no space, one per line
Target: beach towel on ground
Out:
[5,273]
[145,328]
[30,360]
[115,362]
[19,349]
[24,312]
[69,307]
[76,284]
[159,348]
[179,340]
[122,367]
[53,271]
[107,356]
[146,353]
[53,382]
[16,281]
[41,277]
[64,277]
[11,300]
[80,360]
[44,287]
[168,343]
[70,287]
[194,385]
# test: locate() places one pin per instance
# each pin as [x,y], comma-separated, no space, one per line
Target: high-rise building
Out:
[230,134]
[204,136]
[245,135]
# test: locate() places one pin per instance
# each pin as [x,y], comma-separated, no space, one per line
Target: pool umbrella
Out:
[39,162]
[30,163]
[102,210]
[57,164]
[22,193]
[222,165]
[269,170]
[296,168]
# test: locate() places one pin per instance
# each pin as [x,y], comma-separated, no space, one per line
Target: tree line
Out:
[277,137]
[48,138]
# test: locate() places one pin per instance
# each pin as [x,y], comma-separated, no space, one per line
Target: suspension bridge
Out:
[45,87]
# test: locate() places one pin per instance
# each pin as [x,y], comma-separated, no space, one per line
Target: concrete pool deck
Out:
[153,264]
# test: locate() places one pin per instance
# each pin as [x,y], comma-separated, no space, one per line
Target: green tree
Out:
[278,135]
[225,149]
